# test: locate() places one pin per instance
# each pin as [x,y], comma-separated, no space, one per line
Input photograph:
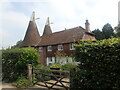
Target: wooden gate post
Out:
[30,72]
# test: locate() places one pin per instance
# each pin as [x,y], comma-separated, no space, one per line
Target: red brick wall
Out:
[65,50]
[44,54]
[52,53]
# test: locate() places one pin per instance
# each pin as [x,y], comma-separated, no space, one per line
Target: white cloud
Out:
[24,0]
[104,12]
[63,13]
[63,8]
[14,20]
[13,24]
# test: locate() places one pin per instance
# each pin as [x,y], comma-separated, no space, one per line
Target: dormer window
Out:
[40,49]
[49,48]
[60,47]
[71,45]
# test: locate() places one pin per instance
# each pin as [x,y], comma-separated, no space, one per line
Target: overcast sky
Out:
[15,16]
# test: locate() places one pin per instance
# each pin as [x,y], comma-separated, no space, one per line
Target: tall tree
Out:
[108,31]
[18,44]
[98,34]
[117,29]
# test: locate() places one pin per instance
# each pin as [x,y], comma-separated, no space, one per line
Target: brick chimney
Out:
[87,26]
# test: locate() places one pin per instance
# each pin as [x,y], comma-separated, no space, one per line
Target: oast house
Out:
[57,46]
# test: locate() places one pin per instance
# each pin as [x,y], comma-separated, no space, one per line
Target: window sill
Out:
[60,49]
[72,49]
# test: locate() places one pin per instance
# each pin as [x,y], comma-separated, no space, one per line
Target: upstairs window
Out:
[40,49]
[71,45]
[60,47]
[49,48]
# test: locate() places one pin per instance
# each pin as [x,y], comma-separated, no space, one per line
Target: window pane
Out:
[71,45]
[40,49]
[60,47]
[49,48]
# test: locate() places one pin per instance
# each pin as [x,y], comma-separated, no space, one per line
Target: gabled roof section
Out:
[65,36]
[32,36]
[47,29]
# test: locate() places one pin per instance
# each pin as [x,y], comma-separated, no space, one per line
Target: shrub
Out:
[22,82]
[68,66]
[15,61]
[55,65]
[41,73]
[39,66]
[99,64]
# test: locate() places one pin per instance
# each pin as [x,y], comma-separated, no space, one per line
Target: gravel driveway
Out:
[7,85]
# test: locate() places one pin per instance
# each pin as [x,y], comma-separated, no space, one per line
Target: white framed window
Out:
[50,60]
[60,47]
[40,49]
[49,48]
[71,45]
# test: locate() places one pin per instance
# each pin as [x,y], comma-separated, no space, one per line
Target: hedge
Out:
[14,62]
[99,65]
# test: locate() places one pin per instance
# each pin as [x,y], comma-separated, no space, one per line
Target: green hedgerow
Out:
[99,64]
[15,61]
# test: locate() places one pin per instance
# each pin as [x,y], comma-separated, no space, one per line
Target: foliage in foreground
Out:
[22,82]
[65,67]
[99,64]
[68,66]
[15,61]
[42,73]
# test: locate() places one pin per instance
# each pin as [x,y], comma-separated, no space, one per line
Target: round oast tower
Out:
[47,28]
[32,36]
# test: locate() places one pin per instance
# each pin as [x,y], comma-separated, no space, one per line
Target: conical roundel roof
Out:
[47,29]
[32,36]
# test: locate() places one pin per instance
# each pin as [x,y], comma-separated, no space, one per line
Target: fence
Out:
[52,79]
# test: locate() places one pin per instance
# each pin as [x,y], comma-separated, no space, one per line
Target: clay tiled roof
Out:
[65,36]
[47,30]
[32,36]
